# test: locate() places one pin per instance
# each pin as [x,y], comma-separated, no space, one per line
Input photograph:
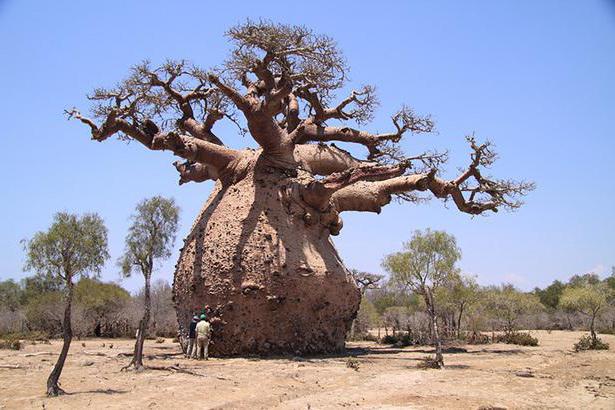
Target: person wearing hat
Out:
[203,333]
[192,337]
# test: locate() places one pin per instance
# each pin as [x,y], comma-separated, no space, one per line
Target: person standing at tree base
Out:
[203,333]
[192,338]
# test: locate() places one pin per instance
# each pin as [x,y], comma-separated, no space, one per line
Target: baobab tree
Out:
[259,255]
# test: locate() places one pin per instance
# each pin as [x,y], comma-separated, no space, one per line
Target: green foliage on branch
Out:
[589,343]
[151,235]
[73,245]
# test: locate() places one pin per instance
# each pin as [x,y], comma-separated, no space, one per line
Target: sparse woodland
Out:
[465,309]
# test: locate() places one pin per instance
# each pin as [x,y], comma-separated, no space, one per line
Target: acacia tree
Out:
[457,294]
[507,305]
[73,246]
[150,238]
[590,299]
[426,263]
[260,247]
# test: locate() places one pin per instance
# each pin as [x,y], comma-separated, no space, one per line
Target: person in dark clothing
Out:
[192,338]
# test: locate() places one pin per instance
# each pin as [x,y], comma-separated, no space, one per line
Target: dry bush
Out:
[353,363]
[587,343]
[477,338]
[428,362]
[11,321]
[517,338]
[11,342]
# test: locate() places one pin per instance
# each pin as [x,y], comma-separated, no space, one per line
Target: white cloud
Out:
[517,280]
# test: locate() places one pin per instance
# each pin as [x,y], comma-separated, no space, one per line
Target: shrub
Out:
[478,339]
[517,338]
[587,343]
[353,363]
[11,343]
[389,340]
[404,340]
[428,363]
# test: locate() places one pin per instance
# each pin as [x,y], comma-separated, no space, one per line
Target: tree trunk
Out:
[431,310]
[53,388]
[592,330]
[459,322]
[264,267]
[143,324]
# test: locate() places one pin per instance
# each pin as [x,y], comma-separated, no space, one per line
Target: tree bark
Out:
[53,388]
[143,324]
[262,264]
[459,322]
[431,311]
[592,329]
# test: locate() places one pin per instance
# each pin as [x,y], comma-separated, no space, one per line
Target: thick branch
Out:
[239,100]
[263,127]
[318,192]
[372,196]
[313,132]
[148,134]
[292,114]
[323,159]
[190,171]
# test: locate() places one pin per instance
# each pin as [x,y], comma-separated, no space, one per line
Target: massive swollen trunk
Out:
[265,270]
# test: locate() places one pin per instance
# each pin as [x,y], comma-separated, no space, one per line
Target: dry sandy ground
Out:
[487,376]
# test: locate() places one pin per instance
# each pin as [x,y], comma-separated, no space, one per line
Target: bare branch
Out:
[239,100]
[149,134]
[404,120]
[359,106]
[487,195]
[366,280]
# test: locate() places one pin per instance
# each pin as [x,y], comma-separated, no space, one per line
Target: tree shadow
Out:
[456,366]
[98,391]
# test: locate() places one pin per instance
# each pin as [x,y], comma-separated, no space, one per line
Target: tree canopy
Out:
[151,235]
[280,84]
[73,245]
[428,260]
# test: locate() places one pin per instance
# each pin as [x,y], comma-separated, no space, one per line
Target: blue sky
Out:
[538,78]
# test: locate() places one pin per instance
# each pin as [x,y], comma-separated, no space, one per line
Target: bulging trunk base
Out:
[269,282]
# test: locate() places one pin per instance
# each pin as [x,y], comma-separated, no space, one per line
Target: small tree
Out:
[426,262]
[10,295]
[364,281]
[367,317]
[507,305]
[73,246]
[550,295]
[99,302]
[457,294]
[150,237]
[588,299]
